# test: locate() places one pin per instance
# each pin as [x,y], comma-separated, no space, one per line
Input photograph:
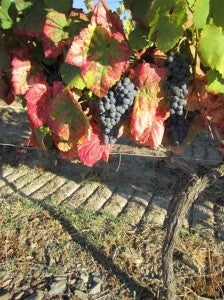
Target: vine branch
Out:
[182,203]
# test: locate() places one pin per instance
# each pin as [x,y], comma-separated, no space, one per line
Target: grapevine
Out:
[154,78]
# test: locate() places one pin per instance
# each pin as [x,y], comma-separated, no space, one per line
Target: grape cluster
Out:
[176,127]
[176,83]
[114,107]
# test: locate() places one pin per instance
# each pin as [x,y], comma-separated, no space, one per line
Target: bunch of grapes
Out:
[176,83]
[114,107]
[176,127]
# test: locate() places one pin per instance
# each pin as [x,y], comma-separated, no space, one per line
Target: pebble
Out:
[58,288]
[96,289]
[81,295]
[7,296]
[84,277]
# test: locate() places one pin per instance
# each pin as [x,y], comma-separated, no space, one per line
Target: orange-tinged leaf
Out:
[149,111]
[108,19]
[21,67]
[101,52]
[67,122]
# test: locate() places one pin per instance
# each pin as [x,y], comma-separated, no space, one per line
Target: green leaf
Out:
[166,21]
[32,21]
[215,82]
[211,48]
[54,26]
[191,3]
[138,38]
[64,6]
[76,22]
[43,137]
[23,4]
[217,12]
[71,76]
[140,10]
[88,3]
[201,12]
[5,19]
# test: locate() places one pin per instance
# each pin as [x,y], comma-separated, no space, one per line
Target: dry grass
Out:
[41,241]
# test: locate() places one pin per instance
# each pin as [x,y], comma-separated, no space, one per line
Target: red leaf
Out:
[57,88]
[102,53]
[149,111]
[108,19]
[53,34]
[92,149]
[21,66]
[37,98]
[149,76]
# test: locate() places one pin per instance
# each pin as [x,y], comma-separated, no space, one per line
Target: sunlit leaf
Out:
[102,54]
[21,67]
[92,149]
[149,111]
[212,53]
[53,34]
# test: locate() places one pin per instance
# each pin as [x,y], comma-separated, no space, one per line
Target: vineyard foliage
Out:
[58,61]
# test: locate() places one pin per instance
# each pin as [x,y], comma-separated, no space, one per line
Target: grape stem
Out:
[202,110]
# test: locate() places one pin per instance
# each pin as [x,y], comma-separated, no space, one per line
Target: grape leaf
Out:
[32,21]
[212,53]
[41,137]
[64,6]
[138,38]
[76,22]
[71,76]
[5,19]
[88,4]
[22,4]
[201,12]
[108,19]
[37,99]
[140,10]
[217,12]
[21,67]
[149,111]
[199,99]
[215,82]
[92,149]
[102,53]
[53,34]
[101,56]
[67,122]
[167,20]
